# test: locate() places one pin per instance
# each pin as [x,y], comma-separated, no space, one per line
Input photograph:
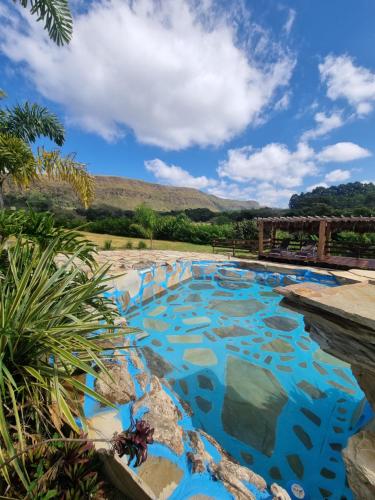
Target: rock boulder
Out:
[162,415]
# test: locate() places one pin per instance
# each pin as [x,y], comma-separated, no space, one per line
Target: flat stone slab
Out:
[281,323]
[161,475]
[185,339]
[156,324]
[232,331]
[354,302]
[200,357]
[102,426]
[278,345]
[157,311]
[253,401]
[197,320]
[237,308]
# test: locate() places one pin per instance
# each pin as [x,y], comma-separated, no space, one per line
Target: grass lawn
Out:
[121,241]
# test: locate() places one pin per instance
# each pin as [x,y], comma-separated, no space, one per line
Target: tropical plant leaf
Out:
[56,16]
[69,170]
[54,322]
[31,121]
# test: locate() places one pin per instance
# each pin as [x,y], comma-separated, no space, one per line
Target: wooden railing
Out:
[332,248]
[350,249]
[250,246]
[293,245]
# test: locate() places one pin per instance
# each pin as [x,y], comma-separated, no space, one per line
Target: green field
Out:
[119,242]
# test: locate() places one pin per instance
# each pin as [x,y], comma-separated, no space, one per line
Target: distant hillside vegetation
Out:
[353,198]
[126,194]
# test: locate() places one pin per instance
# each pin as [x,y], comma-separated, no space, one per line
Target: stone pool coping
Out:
[123,261]
[127,265]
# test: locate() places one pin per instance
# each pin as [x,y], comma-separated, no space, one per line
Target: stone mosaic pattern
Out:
[139,286]
[253,378]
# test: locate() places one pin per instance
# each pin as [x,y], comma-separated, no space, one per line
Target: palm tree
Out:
[56,16]
[146,222]
[22,125]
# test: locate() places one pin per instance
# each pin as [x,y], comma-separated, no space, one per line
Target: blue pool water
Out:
[253,378]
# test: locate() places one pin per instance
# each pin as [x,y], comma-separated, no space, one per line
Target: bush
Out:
[119,226]
[246,230]
[70,467]
[107,245]
[54,323]
[65,470]
[141,245]
[129,245]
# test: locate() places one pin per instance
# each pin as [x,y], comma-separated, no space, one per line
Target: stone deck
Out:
[123,261]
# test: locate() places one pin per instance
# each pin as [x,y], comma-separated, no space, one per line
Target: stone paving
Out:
[125,260]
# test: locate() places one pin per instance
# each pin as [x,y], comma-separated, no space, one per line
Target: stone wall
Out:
[150,280]
[342,322]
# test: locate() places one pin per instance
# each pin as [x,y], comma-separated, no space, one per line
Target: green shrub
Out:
[40,229]
[246,230]
[107,245]
[141,245]
[129,245]
[65,470]
[54,324]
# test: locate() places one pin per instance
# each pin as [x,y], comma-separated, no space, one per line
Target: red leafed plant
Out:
[134,441]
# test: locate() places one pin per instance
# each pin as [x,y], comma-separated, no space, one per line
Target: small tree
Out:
[145,222]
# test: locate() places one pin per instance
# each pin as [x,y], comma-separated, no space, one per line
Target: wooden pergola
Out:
[329,252]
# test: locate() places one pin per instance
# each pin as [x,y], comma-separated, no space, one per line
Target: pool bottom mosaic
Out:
[253,378]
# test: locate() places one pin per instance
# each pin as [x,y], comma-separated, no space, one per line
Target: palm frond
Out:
[56,16]
[30,121]
[69,170]
[16,160]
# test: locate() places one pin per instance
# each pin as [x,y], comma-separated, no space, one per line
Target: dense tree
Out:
[344,199]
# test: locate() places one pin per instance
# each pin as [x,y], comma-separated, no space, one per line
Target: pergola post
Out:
[260,237]
[328,238]
[273,236]
[322,239]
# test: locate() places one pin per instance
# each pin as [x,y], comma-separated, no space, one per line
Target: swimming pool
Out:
[252,376]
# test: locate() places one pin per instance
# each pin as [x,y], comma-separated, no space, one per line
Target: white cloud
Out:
[290,21]
[272,172]
[338,175]
[314,186]
[264,192]
[174,175]
[270,195]
[173,71]
[283,102]
[343,152]
[272,163]
[324,124]
[269,175]
[177,176]
[347,80]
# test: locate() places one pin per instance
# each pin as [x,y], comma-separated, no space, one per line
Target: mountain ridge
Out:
[126,194]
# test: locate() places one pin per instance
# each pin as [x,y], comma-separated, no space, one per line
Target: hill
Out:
[355,198]
[126,194]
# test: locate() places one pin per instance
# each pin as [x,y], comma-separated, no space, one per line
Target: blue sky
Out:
[257,100]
